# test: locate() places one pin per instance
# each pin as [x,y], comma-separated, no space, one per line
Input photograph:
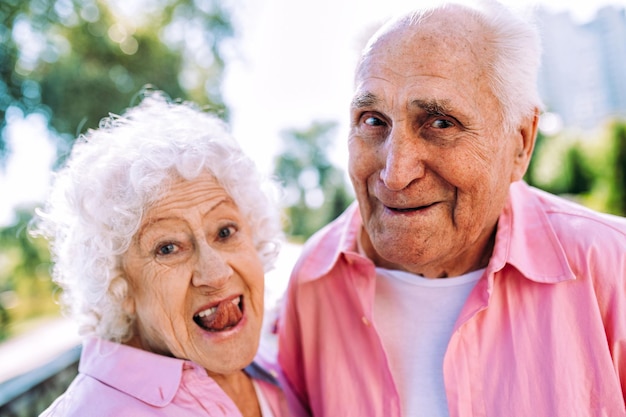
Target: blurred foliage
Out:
[76,61]
[588,168]
[616,177]
[316,190]
[25,285]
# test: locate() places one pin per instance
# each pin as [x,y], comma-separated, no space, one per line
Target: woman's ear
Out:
[525,143]
[125,291]
[129,305]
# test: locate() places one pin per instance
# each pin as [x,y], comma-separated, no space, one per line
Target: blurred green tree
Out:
[616,159]
[587,167]
[316,190]
[560,165]
[25,286]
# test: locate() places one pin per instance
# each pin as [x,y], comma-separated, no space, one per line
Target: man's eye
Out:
[442,124]
[166,249]
[373,121]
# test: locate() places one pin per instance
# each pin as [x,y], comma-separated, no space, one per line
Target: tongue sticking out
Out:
[226,315]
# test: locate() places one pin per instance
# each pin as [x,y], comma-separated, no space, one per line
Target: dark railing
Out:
[30,393]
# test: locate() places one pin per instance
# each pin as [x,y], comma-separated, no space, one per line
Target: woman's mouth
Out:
[221,316]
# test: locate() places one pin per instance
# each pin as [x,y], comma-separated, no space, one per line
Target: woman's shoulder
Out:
[87,396]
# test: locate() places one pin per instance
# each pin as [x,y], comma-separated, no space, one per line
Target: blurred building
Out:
[583,76]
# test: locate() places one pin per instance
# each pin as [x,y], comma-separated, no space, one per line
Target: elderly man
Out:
[453,288]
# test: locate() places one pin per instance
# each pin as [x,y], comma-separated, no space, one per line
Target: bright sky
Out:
[294,66]
[25,179]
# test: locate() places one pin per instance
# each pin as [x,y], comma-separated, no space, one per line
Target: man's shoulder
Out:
[544,229]
[593,242]
[568,215]
[571,216]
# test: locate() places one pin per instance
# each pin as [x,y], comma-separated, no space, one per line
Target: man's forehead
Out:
[453,28]
[412,54]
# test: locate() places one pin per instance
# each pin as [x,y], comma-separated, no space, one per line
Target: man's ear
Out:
[525,138]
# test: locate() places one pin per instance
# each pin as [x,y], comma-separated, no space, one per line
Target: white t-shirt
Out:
[414,316]
[266,410]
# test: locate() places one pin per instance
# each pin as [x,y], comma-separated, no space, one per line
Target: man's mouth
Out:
[409,209]
[404,210]
[222,316]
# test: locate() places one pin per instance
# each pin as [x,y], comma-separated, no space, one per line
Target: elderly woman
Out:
[161,230]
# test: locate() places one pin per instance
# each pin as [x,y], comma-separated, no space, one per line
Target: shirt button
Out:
[365,321]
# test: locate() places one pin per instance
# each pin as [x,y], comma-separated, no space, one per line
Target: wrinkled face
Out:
[429,160]
[196,281]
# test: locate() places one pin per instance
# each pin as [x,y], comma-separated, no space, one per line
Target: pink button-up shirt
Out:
[543,333]
[117,380]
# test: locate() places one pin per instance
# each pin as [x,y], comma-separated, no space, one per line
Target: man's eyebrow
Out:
[365,99]
[437,107]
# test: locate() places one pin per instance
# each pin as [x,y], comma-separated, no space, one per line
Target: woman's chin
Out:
[230,349]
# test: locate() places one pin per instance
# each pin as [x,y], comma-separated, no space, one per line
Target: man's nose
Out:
[403,159]
[212,268]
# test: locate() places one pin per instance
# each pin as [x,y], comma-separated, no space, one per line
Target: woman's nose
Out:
[212,268]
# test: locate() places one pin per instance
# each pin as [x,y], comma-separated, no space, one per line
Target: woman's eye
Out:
[166,249]
[442,124]
[226,232]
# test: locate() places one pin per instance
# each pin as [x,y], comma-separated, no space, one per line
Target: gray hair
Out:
[114,173]
[516,52]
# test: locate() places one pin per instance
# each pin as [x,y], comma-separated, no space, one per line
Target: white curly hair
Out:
[111,177]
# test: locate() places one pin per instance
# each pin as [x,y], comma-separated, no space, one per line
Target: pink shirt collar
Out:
[151,378]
